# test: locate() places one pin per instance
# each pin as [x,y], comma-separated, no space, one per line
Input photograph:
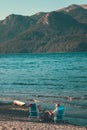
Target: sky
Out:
[30,7]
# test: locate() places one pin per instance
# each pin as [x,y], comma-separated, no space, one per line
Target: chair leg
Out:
[54,121]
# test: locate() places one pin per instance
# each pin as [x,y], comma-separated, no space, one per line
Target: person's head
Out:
[38,106]
[57,105]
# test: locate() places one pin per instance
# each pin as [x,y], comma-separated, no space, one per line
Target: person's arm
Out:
[50,112]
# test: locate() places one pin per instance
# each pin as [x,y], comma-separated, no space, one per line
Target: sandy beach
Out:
[25,125]
[16,118]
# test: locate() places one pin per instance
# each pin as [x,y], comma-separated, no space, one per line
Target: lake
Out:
[48,78]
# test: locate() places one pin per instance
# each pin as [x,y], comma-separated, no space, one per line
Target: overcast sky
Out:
[30,7]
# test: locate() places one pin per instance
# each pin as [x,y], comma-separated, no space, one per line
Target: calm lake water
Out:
[49,78]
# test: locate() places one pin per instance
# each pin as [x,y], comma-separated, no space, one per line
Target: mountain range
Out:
[62,30]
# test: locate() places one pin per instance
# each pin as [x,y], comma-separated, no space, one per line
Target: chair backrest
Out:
[33,110]
[60,113]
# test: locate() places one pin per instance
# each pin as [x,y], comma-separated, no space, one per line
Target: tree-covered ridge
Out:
[57,31]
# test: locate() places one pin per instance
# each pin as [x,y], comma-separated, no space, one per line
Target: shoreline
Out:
[16,118]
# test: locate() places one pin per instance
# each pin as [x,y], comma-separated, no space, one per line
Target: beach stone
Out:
[4,128]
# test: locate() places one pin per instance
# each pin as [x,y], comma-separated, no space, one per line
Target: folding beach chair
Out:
[60,114]
[33,111]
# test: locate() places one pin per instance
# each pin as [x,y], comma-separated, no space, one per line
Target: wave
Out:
[37,95]
[48,84]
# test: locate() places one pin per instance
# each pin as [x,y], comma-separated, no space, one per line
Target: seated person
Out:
[46,117]
[55,113]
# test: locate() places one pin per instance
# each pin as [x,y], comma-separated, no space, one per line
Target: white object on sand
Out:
[18,103]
